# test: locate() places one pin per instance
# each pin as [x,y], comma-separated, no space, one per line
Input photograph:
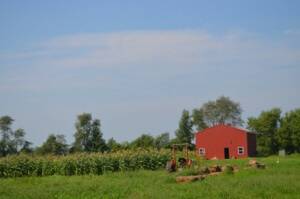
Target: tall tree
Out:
[266,126]
[198,120]
[184,133]
[289,132]
[97,143]
[88,136]
[221,111]
[6,134]
[113,145]
[125,145]
[55,144]
[144,141]
[27,148]
[18,139]
[162,140]
[11,142]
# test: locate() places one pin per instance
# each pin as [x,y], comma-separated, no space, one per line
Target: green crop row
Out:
[82,164]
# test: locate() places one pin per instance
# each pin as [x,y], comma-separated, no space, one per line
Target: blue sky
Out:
[137,64]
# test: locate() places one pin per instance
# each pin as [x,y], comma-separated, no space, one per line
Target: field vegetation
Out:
[83,163]
[279,180]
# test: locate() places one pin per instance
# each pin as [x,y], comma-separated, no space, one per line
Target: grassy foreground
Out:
[279,180]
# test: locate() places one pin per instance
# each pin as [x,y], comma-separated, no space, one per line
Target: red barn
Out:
[224,142]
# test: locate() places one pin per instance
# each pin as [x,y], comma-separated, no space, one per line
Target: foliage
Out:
[113,145]
[277,181]
[144,141]
[198,119]
[221,111]
[11,142]
[288,135]
[147,141]
[88,136]
[55,144]
[266,126]
[27,149]
[162,141]
[184,133]
[82,163]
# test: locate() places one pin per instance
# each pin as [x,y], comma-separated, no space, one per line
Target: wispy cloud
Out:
[152,54]
[177,48]
[141,47]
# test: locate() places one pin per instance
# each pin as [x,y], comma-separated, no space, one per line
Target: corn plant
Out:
[83,163]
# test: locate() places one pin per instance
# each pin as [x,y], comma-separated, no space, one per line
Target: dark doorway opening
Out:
[226,153]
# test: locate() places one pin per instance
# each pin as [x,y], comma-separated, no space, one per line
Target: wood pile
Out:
[216,170]
[203,173]
[181,179]
[254,164]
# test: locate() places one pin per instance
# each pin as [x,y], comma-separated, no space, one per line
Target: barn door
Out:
[226,153]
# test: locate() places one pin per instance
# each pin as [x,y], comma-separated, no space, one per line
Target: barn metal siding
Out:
[216,138]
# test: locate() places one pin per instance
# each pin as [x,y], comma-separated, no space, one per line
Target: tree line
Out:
[274,132]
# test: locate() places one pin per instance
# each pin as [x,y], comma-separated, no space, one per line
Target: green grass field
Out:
[277,181]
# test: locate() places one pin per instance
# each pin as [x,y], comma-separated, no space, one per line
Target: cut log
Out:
[252,162]
[255,164]
[214,169]
[182,179]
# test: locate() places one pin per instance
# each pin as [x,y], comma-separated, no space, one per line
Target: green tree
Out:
[162,141]
[221,111]
[113,145]
[88,136]
[184,133]
[198,120]
[18,139]
[55,144]
[289,132]
[11,142]
[27,148]
[144,141]
[266,126]
[6,134]
[96,141]
[125,145]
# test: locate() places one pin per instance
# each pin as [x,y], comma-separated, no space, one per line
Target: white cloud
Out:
[173,47]
[172,50]
[152,54]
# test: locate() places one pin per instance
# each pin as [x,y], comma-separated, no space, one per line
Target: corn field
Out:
[82,164]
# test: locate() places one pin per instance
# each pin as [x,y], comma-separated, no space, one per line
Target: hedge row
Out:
[82,164]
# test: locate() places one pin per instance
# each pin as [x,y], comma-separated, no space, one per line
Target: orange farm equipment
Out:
[183,161]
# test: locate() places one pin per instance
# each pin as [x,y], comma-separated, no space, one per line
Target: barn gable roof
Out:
[230,126]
